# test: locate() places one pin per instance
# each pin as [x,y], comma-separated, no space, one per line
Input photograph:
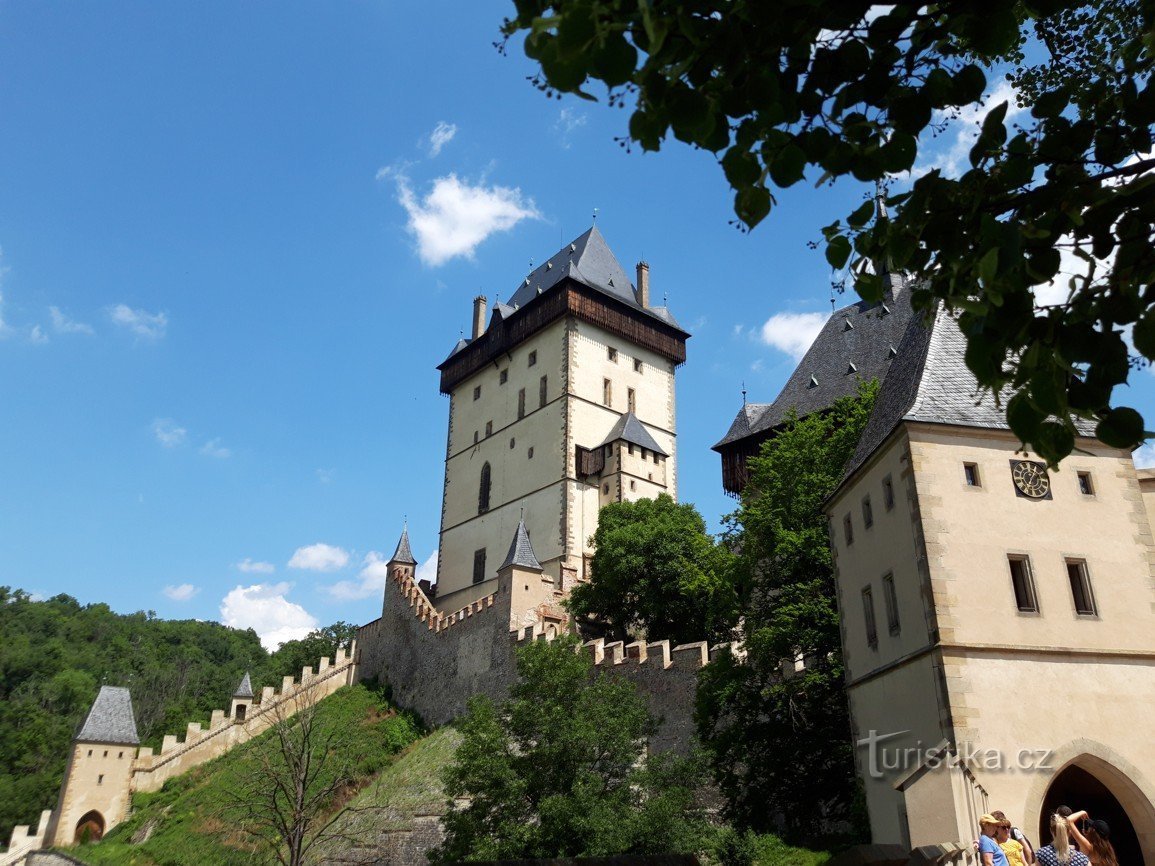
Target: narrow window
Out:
[90,753]
[119,755]
[533,358]
[542,390]
[1081,587]
[971,474]
[1085,485]
[106,753]
[609,452]
[655,457]
[479,565]
[630,399]
[633,484]
[521,403]
[613,354]
[891,598]
[477,392]
[868,613]
[888,493]
[240,712]
[488,428]
[867,513]
[848,530]
[637,365]
[100,779]
[1024,584]
[512,441]
[606,487]
[483,490]
[503,377]
[631,447]
[476,436]
[530,452]
[607,392]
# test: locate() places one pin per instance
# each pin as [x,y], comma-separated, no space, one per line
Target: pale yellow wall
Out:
[1147,487]
[97,778]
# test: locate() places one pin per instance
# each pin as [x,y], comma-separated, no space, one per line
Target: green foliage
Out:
[783,746]
[730,847]
[190,821]
[294,655]
[796,90]
[657,570]
[560,770]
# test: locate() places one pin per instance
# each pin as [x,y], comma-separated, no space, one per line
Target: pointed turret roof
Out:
[110,720]
[521,551]
[628,428]
[403,553]
[244,688]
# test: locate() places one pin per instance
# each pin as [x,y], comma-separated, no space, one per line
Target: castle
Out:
[998,617]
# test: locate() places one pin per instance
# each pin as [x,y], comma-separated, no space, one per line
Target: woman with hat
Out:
[1095,839]
[990,853]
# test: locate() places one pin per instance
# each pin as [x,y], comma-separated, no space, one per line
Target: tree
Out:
[560,770]
[656,569]
[782,745]
[793,90]
[320,643]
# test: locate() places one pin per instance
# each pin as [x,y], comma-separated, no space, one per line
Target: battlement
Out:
[425,611]
[23,840]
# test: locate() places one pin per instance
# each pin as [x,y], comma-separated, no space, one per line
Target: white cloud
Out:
[37,335]
[64,325]
[181,593]
[428,569]
[324,475]
[151,326]
[319,557]
[168,433]
[249,566]
[442,134]
[954,160]
[1144,456]
[569,120]
[264,608]
[792,333]
[4,329]
[214,448]
[455,217]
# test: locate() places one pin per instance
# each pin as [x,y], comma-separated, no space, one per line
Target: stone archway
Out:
[1087,774]
[90,828]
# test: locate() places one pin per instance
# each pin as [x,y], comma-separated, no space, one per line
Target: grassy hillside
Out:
[189,822]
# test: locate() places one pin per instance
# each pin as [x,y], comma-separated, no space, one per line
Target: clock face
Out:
[1031,478]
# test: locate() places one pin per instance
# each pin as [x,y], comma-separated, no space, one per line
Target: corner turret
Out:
[242,699]
[521,575]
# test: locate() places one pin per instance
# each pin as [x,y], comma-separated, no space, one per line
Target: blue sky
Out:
[236,241]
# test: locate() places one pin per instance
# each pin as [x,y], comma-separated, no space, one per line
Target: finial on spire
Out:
[595,214]
[743,393]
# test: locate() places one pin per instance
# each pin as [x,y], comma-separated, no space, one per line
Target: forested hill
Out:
[55,655]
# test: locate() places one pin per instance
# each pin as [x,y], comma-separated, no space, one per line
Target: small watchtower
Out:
[242,700]
[522,576]
[401,564]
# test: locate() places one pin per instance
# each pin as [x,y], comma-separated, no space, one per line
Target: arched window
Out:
[483,490]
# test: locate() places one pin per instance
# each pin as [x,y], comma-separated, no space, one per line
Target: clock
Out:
[1031,479]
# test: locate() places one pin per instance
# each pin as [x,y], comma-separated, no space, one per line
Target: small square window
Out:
[477,392]
[868,614]
[971,475]
[90,753]
[503,376]
[533,358]
[1023,584]
[1086,487]
[633,484]
[488,428]
[1081,587]
[613,354]
[888,493]
[637,365]
[890,596]
[848,530]
[867,513]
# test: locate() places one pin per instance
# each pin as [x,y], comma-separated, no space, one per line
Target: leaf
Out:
[1143,335]
[752,204]
[969,84]
[1054,441]
[910,113]
[861,215]
[740,167]
[616,60]
[838,251]
[1050,104]
[1023,417]
[988,266]
[1121,427]
[788,165]
[899,153]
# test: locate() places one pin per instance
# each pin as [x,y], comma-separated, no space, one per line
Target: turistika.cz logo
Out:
[884,757]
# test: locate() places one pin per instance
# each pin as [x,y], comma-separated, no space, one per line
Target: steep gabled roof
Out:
[857,343]
[110,720]
[629,429]
[521,551]
[403,553]
[244,687]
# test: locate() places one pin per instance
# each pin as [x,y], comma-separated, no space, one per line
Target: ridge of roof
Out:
[110,720]
[630,429]
[521,551]
[403,553]
[244,687]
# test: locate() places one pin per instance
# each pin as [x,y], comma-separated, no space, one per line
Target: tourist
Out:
[1060,852]
[1012,848]
[1095,839]
[990,854]
[1020,837]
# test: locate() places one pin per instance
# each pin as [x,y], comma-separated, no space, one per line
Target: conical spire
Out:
[403,553]
[244,688]
[521,551]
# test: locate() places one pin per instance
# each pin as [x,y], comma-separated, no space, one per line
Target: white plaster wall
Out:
[97,778]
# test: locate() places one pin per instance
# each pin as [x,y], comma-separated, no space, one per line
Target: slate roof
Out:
[629,429]
[929,382]
[403,553]
[857,343]
[588,260]
[110,720]
[521,551]
[244,688]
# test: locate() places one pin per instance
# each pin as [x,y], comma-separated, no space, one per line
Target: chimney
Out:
[478,316]
[643,284]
